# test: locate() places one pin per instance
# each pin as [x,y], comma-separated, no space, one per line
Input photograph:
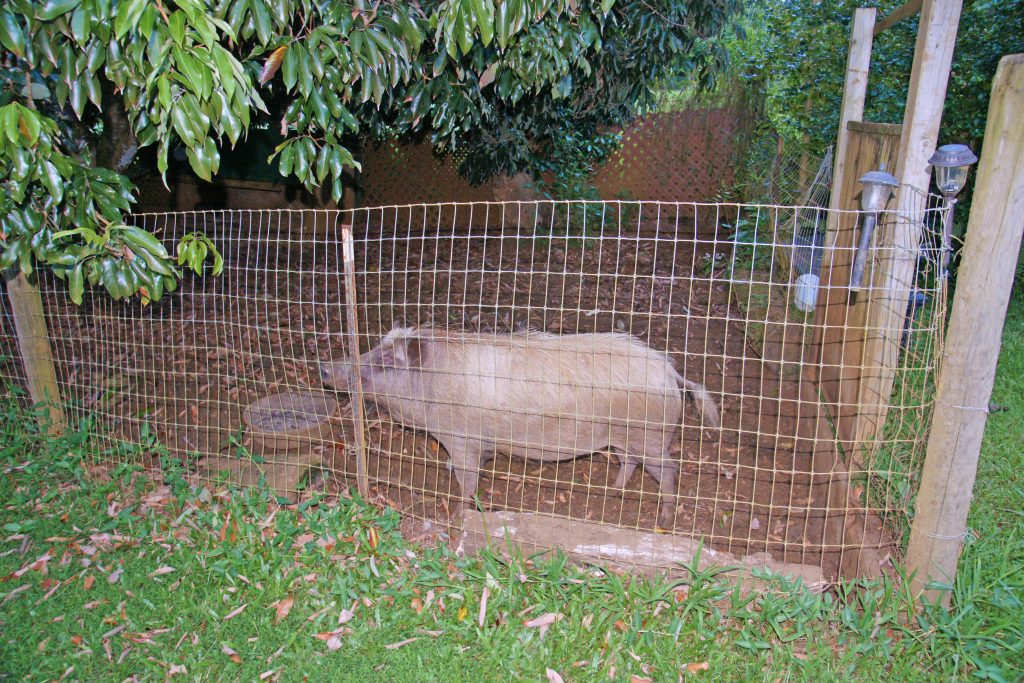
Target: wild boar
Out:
[534,395]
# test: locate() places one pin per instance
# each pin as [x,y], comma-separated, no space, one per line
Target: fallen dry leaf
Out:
[19,589]
[231,654]
[235,612]
[333,638]
[483,607]
[401,643]
[284,606]
[640,679]
[115,575]
[160,571]
[39,565]
[302,539]
[694,667]
[554,677]
[543,622]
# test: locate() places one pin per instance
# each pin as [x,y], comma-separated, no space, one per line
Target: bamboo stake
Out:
[972,343]
[34,344]
[348,248]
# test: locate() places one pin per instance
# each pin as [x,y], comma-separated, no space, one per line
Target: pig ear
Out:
[409,352]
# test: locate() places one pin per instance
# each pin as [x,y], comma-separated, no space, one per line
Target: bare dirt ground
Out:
[185,369]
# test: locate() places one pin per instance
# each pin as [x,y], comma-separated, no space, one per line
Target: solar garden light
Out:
[878,187]
[951,163]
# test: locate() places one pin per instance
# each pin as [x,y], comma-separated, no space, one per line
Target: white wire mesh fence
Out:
[570,358]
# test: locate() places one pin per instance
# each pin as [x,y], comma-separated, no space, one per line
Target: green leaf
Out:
[262,19]
[322,115]
[289,66]
[229,122]
[176,25]
[503,23]
[201,160]
[484,11]
[79,94]
[182,125]
[128,13]
[54,182]
[287,151]
[163,88]
[92,89]
[29,125]
[301,165]
[11,35]
[142,240]
[76,283]
[51,9]
[305,75]
[22,163]
[323,163]
[80,23]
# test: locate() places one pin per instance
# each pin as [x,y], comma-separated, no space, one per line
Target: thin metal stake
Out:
[358,407]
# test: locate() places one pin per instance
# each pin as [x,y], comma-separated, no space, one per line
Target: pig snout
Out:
[336,375]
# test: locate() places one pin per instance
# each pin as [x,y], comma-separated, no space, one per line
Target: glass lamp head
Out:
[878,187]
[951,163]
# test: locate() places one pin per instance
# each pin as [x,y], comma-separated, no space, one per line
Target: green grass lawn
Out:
[108,574]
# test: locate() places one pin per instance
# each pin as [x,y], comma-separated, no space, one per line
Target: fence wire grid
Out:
[537,342]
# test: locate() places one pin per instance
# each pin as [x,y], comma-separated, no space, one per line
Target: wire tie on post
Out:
[962,536]
[973,409]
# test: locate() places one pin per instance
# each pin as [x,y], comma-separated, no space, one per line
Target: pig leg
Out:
[627,464]
[666,473]
[466,455]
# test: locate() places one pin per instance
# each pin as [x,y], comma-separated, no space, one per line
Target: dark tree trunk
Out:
[117,146]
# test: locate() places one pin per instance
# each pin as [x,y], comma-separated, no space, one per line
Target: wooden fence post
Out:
[855,90]
[34,344]
[972,344]
[933,55]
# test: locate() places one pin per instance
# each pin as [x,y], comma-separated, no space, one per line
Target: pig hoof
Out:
[667,520]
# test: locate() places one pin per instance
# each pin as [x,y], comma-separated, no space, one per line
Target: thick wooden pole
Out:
[972,344]
[933,55]
[855,90]
[34,343]
[896,264]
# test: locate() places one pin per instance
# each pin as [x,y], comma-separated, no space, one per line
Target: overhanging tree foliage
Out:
[86,83]
[794,56]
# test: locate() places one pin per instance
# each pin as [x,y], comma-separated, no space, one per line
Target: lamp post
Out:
[951,163]
[878,187]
